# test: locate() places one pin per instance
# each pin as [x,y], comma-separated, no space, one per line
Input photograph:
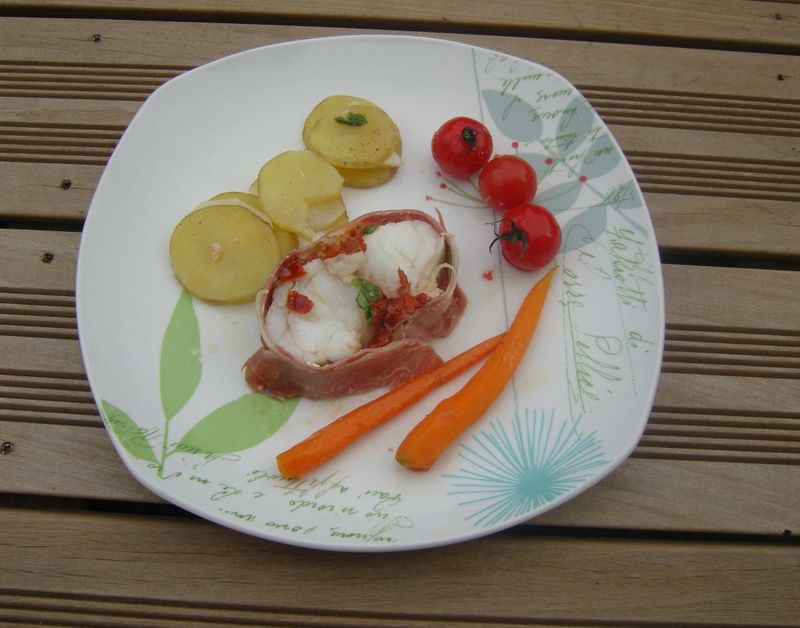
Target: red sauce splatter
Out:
[297,302]
[582,179]
[489,275]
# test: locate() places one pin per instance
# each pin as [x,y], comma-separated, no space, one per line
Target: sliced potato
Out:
[291,182]
[343,219]
[357,136]
[323,214]
[326,106]
[287,241]
[251,200]
[223,253]
[355,174]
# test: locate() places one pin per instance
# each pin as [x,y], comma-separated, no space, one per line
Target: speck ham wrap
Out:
[274,371]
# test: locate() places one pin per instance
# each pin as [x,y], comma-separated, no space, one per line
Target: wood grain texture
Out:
[697,527]
[720,451]
[171,47]
[666,495]
[65,100]
[171,562]
[721,22]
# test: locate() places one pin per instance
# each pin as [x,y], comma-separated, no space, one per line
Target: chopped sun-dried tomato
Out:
[293,269]
[353,242]
[297,302]
[388,313]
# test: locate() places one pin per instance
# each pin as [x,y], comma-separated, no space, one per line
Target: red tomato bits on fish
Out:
[461,147]
[298,302]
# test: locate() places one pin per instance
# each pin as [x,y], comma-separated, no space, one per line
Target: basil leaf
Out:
[352,119]
[368,293]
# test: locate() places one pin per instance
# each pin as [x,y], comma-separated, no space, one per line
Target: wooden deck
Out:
[698,527]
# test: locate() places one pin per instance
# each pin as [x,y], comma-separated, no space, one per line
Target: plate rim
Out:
[178,500]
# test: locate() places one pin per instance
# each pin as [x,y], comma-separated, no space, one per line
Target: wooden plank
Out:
[736,299]
[701,188]
[48,357]
[72,118]
[687,216]
[38,263]
[78,461]
[32,610]
[501,579]
[53,351]
[66,461]
[58,191]
[723,225]
[684,223]
[158,48]
[697,297]
[722,22]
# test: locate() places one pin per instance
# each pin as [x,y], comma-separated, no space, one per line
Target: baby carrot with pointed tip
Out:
[328,441]
[433,434]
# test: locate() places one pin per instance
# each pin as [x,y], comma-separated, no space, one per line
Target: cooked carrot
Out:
[328,441]
[431,436]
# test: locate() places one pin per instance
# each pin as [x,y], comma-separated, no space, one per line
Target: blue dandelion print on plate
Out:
[510,471]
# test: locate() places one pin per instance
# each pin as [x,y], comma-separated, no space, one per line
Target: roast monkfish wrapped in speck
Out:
[355,309]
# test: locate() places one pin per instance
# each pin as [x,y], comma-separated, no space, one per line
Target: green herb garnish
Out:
[370,229]
[352,119]
[368,294]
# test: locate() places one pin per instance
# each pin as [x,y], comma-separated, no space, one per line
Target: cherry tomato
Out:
[507,181]
[461,147]
[529,236]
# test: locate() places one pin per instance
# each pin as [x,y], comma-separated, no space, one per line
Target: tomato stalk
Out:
[469,135]
[513,235]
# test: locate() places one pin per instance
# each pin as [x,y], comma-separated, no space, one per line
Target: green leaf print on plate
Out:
[601,157]
[233,426]
[180,357]
[130,435]
[515,117]
[576,121]
[237,425]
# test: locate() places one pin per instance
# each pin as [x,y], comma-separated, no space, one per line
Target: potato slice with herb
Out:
[297,188]
[287,241]
[223,253]
[330,104]
[356,136]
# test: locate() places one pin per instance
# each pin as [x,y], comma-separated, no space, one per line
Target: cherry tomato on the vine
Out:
[461,147]
[507,181]
[529,236]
